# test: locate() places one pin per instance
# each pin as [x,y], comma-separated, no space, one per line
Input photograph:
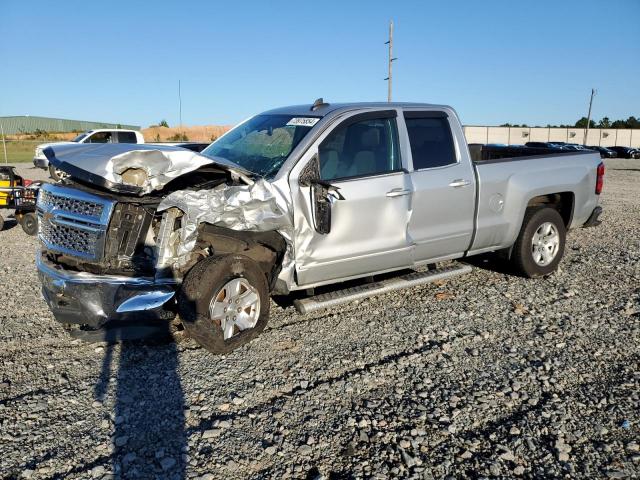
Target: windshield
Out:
[262,144]
[80,137]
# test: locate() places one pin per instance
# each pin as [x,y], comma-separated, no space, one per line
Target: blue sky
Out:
[494,61]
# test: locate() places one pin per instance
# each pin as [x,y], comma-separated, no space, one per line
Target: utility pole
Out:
[180,106]
[4,144]
[586,132]
[389,79]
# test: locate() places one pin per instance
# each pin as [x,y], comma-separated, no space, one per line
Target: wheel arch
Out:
[267,249]
[563,202]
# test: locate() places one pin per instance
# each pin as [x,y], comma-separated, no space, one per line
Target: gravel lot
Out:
[486,375]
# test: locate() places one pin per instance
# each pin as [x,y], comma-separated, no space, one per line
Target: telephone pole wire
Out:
[389,79]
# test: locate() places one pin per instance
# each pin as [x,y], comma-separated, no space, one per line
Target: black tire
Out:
[29,223]
[56,174]
[205,280]
[522,255]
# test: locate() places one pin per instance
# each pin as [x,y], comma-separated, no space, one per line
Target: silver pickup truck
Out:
[295,198]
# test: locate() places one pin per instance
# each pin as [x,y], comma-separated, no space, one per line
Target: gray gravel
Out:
[486,375]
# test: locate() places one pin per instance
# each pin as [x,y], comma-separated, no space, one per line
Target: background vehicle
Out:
[90,136]
[604,152]
[293,199]
[538,145]
[625,152]
[19,195]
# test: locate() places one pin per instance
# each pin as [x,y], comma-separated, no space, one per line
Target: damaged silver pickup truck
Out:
[292,199]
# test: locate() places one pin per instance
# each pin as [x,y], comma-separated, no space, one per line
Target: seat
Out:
[329,164]
[364,160]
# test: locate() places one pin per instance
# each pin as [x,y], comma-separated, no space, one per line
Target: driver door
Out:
[369,213]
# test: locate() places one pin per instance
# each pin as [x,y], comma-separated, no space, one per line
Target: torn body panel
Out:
[259,207]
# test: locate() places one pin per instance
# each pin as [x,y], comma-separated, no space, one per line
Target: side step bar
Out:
[339,297]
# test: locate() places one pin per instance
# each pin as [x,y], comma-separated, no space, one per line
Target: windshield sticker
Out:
[303,121]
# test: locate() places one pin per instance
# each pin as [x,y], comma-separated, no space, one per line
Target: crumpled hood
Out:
[104,164]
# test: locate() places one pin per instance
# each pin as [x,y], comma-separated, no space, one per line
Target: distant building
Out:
[29,124]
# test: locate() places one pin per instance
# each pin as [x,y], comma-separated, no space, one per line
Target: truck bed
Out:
[483,153]
[508,184]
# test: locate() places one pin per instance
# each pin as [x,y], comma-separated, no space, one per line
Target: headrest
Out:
[370,138]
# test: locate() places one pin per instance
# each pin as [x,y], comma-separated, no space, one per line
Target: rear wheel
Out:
[29,223]
[56,174]
[224,302]
[540,244]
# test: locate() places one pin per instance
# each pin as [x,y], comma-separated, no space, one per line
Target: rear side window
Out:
[431,140]
[127,137]
[361,148]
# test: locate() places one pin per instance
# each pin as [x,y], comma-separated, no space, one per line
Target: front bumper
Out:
[41,162]
[93,300]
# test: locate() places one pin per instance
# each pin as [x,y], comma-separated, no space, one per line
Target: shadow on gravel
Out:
[492,262]
[149,437]
[9,223]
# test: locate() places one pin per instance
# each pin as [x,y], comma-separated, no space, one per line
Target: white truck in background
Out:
[101,135]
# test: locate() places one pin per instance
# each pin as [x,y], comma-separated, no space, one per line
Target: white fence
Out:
[605,137]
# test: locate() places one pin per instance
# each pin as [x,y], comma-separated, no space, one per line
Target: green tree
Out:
[633,122]
[163,123]
[604,123]
[582,123]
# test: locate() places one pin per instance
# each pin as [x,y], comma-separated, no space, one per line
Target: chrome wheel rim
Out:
[235,307]
[545,244]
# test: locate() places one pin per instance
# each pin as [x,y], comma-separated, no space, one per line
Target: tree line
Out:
[605,122]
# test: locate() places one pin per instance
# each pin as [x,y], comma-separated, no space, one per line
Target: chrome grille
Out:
[72,221]
[82,207]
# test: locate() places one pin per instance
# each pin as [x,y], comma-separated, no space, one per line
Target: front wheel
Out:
[224,302]
[29,223]
[540,244]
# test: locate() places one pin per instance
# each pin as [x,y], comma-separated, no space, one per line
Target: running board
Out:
[339,297]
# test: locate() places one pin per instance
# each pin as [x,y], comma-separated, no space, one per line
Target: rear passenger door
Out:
[443,198]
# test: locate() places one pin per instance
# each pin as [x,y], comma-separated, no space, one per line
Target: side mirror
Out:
[322,195]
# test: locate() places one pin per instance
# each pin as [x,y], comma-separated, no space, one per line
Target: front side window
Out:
[263,143]
[361,148]
[431,141]
[100,137]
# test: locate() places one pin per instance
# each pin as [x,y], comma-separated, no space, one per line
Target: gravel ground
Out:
[486,375]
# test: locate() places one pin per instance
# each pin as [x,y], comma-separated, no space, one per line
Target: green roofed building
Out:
[29,124]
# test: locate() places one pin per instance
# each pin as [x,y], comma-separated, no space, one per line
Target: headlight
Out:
[38,152]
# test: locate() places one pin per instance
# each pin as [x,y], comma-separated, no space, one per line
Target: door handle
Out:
[398,192]
[459,182]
